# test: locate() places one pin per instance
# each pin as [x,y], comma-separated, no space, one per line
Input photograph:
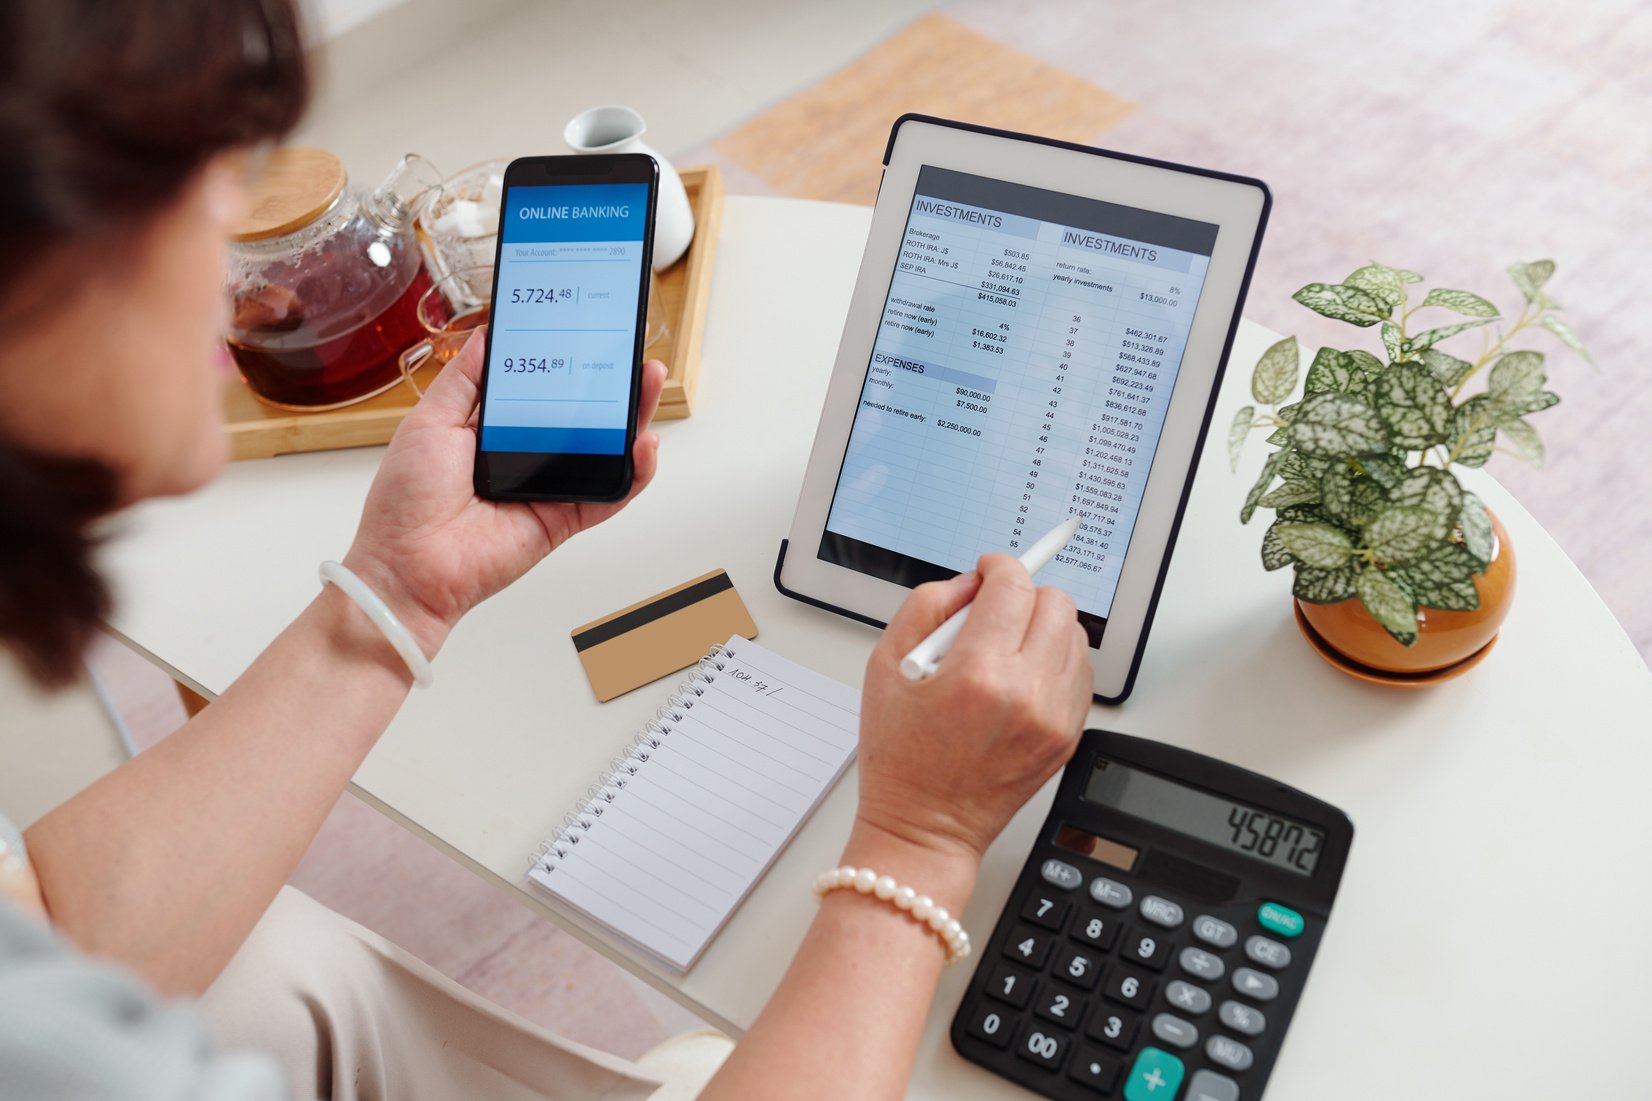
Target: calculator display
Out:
[1280,842]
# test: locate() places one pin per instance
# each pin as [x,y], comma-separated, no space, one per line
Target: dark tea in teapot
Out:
[325,283]
[312,343]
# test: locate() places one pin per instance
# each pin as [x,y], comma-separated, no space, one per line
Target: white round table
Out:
[1486,939]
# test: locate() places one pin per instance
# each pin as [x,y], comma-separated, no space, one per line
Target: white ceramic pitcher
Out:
[617,129]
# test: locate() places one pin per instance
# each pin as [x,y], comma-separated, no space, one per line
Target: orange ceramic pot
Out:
[1447,642]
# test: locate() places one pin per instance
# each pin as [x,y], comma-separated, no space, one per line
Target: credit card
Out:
[658,636]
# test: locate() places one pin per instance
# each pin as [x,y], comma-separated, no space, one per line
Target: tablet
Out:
[1038,330]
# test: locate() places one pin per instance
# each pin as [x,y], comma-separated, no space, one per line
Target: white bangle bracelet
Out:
[374,607]
[922,908]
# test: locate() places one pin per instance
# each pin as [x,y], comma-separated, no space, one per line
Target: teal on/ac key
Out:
[1280,920]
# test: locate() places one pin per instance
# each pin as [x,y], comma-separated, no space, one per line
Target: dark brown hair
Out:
[107,109]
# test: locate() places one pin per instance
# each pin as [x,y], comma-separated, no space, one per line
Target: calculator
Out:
[1160,935]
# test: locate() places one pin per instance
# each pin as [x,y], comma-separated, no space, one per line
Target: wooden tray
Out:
[258,431]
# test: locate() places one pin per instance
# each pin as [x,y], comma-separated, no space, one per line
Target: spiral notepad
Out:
[677,832]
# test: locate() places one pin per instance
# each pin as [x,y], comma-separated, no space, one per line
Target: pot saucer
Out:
[1381,676]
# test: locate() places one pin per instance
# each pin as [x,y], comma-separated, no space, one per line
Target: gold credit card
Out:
[667,632]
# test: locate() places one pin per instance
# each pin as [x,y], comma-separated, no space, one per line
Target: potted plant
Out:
[1401,573]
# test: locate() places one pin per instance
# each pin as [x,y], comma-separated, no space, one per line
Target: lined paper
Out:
[677,839]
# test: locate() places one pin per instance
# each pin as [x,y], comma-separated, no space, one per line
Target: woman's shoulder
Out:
[73,1027]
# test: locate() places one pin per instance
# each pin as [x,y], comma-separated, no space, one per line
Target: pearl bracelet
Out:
[884,888]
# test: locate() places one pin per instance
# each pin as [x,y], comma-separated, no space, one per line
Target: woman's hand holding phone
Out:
[432,548]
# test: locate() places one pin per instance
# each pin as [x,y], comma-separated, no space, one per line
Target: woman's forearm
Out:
[166,863]
[847,1017]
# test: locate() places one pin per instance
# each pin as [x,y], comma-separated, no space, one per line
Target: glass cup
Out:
[656,330]
[453,308]
[457,221]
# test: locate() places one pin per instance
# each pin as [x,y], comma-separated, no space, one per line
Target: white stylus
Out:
[925,657]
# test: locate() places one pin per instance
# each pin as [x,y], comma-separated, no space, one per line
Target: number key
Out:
[1093,928]
[1028,947]
[1059,1006]
[1114,1027]
[1043,910]
[992,1024]
[1076,966]
[1131,988]
[1010,984]
[1042,1047]
[1148,947]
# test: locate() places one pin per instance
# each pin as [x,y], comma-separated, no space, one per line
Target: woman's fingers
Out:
[998,619]
[653,381]
[1049,634]
[452,397]
[926,609]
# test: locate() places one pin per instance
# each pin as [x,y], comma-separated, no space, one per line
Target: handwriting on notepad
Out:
[755,683]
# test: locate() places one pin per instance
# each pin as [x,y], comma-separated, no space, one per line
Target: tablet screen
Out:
[1021,373]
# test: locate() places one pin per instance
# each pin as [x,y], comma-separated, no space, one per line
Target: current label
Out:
[1021,374]
[565,319]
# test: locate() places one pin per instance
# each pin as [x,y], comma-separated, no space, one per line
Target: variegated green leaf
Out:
[1312,514]
[1560,329]
[1393,342]
[1323,545]
[1516,375]
[1473,431]
[1317,586]
[1279,437]
[1338,426]
[1525,440]
[1450,370]
[1286,494]
[1381,283]
[1342,303]
[1349,499]
[1401,533]
[1433,490]
[1343,372]
[1531,277]
[1237,431]
[1389,604]
[1408,276]
[1274,554]
[1414,406]
[1330,372]
[1276,372]
[1478,537]
[1303,468]
[1443,578]
[1430,337]
[1469,305]
[1386,471]
[1511,408]
[1270,470]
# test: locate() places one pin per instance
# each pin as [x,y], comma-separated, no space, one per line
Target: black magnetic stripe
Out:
[648,613]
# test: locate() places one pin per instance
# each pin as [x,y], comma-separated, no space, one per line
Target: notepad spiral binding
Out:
[623,767]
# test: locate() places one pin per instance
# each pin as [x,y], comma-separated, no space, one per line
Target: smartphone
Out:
[563,365]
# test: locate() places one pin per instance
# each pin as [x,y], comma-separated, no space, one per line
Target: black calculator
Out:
[1160,935]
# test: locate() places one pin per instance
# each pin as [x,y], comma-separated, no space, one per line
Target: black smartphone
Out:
[563,367]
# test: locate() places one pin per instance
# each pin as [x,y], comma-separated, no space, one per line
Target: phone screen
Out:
[563,345]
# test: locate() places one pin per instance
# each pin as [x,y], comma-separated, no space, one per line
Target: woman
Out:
[124,130]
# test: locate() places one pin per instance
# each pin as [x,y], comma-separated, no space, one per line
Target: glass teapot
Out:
[325,281]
